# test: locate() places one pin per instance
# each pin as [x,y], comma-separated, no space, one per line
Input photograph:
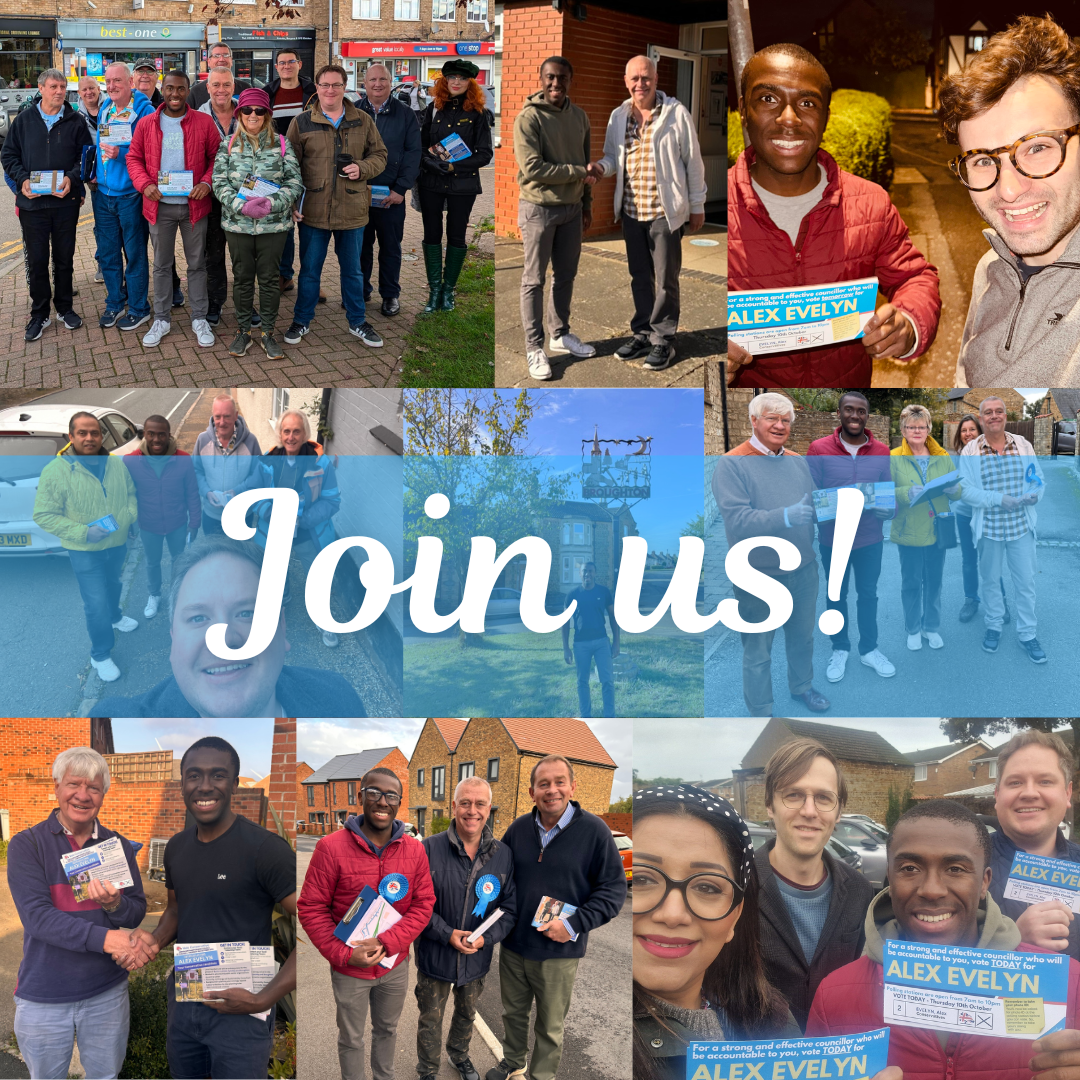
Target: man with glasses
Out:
[145,74]
[372,850]
[1013,111]
[811,905]
[220,56]
[763,489]
[340,151]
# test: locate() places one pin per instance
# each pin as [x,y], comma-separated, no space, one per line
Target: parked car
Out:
[761,832]
[869,842]
[29,436]
[504,602]
[869,820]
[1066,437]
[626,853]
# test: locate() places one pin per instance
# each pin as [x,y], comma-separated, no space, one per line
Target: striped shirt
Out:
[641,195]
[1003,472]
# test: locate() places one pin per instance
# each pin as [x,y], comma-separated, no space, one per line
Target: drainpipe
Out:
[330,50]
[324,406]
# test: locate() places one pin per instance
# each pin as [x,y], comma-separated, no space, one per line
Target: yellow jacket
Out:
[913,526]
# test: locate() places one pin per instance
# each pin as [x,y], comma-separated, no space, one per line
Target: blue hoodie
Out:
[112,174]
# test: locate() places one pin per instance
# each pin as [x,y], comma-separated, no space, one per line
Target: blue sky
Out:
[253,739]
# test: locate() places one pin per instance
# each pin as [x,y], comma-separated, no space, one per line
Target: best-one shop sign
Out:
[412,48]
[81,32]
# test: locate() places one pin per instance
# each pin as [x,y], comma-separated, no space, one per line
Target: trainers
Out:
[837,665]
[272,349]
[660,357]
[638,346]
[107,671]
[914,642]
[880,663]
[151,609]
[109,318]
[329,640]
[539,368]
[35,327]
[99,277]
[366,333]
[969,610]
[203,333]
[156,332]
[133,322]
[992,640]
[466,1068]
[240,344]
[71,320]
[569,343]
[504,1071]
[933,639]
[126,624]
[1034,650]
[295,333]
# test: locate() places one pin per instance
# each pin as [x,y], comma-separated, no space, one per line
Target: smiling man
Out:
[1013,112]
[594,604]
[939,877]
[224,875]
[797,218]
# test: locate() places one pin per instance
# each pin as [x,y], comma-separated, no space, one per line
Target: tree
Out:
[888,41]
[1036,408]
[694,527]
[898,804]
[622,806]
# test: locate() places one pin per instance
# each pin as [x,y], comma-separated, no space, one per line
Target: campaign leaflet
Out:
[452,148]
[211,966]
[782,320]
[880,495]
[256,186]
[177,182]
[367,917]
[549,909]
[837,1057]
[380,196]
[491,920]
[114,133]
[937,487]
[48,182]
[263,968]
[102,862]
[1008,995]
[1035,878]
[108,523]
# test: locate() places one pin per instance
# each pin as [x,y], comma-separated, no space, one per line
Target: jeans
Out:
[549,234]
[98,575]
[584,653]
[1020,556]
[287,254]
[314,244]
[387,225]
[971,559]
[921,570]
[47,1034]
[50,226]
[385,998]
[202,1042]
[256,258]
[153,545]
[170,218]
[865,563]
[122,233]
[654,259]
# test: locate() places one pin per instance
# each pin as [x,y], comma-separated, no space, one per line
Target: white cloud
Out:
[617,738]
[318,740]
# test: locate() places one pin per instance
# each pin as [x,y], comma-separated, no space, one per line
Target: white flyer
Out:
[257,187]
[263,969]
[1035,878]
[179,182]
[211,966]
[482,929]
[101,862]
[114,133]
[48,182]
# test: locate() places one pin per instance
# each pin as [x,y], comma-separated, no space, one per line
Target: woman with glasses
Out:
[256,224]
[923,528]
[447,185]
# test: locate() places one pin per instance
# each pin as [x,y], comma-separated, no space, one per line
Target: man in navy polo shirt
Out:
[594,602]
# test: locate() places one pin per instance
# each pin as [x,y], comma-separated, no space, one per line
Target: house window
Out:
[465,770]
[366,9]
[572,565]
[311,817]
[281,402]
[493,770]
[438,782]
[326,794]
[311,794]
[420,779]
[977,42]
[333,793]
[442,10]
[477,11]
[576,533]
[407,10]
[920,772]
[993,770]
[420,822]
[352,792]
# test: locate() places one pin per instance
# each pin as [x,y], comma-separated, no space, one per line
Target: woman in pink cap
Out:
[257,181]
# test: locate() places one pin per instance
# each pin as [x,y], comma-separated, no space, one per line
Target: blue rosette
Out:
[487,889]
[393,888]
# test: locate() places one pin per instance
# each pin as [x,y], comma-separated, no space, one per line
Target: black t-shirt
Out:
[592,605]
[226,889]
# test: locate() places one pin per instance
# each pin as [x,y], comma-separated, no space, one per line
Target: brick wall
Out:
[280,783]
[593,785]
[620,823]
[954,774]
[868,789]
[430,751]
[387,28]
[483,739]
[303,771]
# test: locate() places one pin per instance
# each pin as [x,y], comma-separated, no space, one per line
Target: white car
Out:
[29,436]
[504,602]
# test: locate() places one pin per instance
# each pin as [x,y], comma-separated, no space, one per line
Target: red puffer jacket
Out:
[854,232]
[341,865]
[201,142]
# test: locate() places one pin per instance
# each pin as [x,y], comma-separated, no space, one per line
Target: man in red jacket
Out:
[939,877]
[851,455]
[371,850]
[796,219]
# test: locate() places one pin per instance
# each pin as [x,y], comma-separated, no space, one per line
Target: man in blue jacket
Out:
[72,981]
[121,229]
[476,878]
[565,854]
[399,130]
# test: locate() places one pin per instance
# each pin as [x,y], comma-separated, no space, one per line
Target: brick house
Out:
[966,399]
[1063,404]
[503,751]
[872,766]
[303,771]
[332,793]
[945,768]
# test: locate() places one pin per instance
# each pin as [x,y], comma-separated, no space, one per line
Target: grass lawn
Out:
[456,348]
[525,675]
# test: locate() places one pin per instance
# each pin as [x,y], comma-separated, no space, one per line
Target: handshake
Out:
[593,171]
[131,949]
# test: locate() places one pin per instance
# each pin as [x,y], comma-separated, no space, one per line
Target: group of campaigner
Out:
[94,501]
[224,874]
[651,149]
[230,165]
[733,944]
[985,491]
[442,891]
[798,220]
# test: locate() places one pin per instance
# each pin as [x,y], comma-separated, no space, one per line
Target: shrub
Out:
[3,851]
[899,803]
[146,1055]
[283,1063]
[438,825]
[734,138]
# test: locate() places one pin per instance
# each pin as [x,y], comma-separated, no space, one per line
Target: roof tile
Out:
[348,766]
[558,735]
[450,728]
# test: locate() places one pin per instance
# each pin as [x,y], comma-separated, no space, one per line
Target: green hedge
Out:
[858,135]
[146,1057]
[3,851]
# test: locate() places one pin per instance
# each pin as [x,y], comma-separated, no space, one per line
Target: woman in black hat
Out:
[446,184]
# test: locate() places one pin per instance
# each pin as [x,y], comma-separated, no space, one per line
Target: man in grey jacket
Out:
[1020,161]
[225,462]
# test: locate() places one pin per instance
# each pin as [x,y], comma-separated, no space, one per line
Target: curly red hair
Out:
[474,96]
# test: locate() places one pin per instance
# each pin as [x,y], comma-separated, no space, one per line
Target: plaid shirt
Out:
[641,196]
[1002,472]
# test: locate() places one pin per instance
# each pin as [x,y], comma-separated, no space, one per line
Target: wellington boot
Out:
[433,266]
[455,259]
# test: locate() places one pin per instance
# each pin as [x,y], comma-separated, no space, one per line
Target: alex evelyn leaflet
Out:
[782,320]
[1035,878]
[1010,995]
[838,1057]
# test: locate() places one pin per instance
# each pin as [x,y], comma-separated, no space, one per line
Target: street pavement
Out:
[597,1037]
[90,357]
[957,680]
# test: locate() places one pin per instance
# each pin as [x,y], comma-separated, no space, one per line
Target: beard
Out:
[1059,219]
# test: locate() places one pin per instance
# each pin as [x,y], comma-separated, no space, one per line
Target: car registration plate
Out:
[14,539]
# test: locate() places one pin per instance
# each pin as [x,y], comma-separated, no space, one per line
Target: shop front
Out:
[255,49]
[412,61]
[25,51]
[89,46]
